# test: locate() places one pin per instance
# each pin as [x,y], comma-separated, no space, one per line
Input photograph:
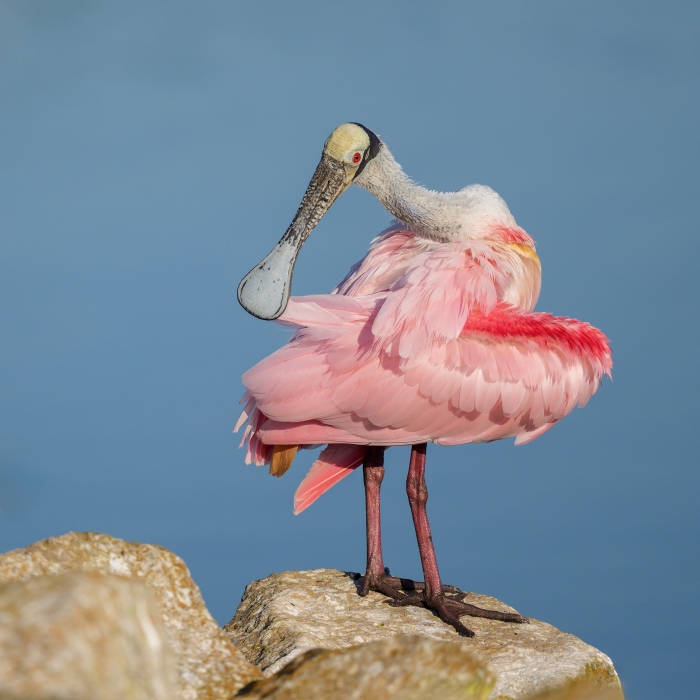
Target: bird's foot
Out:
[398,588]
[449,608]
[381,583]
[448,605]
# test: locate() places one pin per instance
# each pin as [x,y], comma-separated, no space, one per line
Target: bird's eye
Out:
[356,157]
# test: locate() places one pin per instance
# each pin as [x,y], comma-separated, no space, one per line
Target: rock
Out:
[405,667]
[582,689]
[83,637]
[286,614]
[209,666]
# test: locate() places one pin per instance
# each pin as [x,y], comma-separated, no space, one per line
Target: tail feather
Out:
[332,465]
[258,452]
[282,458]
[246,412]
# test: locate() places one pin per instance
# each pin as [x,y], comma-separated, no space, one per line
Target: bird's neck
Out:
[424,211]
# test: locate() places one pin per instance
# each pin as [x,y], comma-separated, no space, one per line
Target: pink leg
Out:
[373,473]
[377,578]
[417,498]
[448,608]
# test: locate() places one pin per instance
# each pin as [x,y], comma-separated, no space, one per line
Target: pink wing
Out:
[385,262]
[436,357]
[508,374]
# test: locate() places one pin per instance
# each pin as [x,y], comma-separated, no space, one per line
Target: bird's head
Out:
[264,291]
[353,146]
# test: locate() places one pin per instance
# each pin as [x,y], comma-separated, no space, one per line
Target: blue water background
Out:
[151,153]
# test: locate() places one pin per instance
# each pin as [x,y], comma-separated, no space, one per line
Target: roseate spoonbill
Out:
[430,338]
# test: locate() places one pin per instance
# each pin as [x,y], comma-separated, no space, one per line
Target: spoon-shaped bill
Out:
[264,291]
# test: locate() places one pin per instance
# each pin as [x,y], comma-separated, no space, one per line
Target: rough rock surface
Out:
[209,667]
[402,667]
[83,636]
[581,689]
[286,614]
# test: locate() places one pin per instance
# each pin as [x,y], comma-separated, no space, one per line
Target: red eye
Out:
[357,157]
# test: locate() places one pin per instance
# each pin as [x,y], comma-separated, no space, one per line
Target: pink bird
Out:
[430,338]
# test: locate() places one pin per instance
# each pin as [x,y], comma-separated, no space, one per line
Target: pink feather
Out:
[418,343]
[333,464]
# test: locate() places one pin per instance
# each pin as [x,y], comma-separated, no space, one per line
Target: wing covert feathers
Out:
[434,348]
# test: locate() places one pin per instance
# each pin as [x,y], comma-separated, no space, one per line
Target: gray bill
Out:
[264,291]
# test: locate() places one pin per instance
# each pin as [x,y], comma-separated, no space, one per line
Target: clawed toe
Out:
[462,608]
[442,606]
[450,608]
[406,599]
[390,586]
[443,610]
[449,605]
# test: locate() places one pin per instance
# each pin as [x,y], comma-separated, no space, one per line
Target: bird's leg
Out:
[448,608]
[373,473]
[377,578]
[418,497]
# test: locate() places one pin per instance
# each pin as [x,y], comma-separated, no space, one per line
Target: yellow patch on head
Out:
[345,140]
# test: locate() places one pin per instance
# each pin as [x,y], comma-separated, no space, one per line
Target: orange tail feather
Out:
[282,458]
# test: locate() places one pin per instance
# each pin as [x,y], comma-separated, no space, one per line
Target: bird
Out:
[431,338]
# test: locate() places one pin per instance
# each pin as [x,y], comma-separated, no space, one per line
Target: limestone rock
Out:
[83,637]
[401,667]
[286,614]
[209,666]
